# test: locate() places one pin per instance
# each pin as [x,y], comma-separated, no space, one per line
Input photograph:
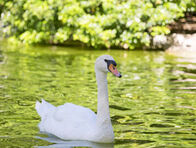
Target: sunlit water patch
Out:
[152,105]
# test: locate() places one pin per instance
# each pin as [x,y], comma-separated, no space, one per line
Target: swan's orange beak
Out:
[114,70]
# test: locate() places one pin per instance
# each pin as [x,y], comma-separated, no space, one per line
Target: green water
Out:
[152,105]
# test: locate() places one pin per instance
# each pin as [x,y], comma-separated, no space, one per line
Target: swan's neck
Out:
[103,113]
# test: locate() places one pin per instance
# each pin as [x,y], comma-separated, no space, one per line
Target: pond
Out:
[152,105]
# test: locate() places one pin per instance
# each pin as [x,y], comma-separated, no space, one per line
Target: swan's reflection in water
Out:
[70,144]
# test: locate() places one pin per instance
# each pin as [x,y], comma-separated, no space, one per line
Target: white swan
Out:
[73,122]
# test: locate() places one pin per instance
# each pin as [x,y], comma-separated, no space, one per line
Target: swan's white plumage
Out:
[68,121]
[73,122]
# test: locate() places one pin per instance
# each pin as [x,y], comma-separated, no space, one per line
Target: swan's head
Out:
[106,63]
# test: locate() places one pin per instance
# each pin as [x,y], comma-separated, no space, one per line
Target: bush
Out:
[97,23]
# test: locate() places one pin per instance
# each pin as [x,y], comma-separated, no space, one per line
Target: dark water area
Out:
[152,105]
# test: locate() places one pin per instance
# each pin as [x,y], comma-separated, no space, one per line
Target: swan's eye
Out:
[106,60]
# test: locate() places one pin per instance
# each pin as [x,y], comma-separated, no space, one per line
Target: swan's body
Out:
[73,122]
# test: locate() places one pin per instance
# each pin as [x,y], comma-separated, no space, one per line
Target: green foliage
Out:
[97,23]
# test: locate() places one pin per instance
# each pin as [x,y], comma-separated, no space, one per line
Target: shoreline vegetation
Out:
[144,24]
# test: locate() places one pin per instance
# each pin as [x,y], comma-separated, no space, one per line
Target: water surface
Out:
[152,105]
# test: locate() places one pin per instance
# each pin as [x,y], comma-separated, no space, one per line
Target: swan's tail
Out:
[44,108]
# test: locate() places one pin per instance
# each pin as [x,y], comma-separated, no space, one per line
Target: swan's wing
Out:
[73,113]
[44,108]
[68,121]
